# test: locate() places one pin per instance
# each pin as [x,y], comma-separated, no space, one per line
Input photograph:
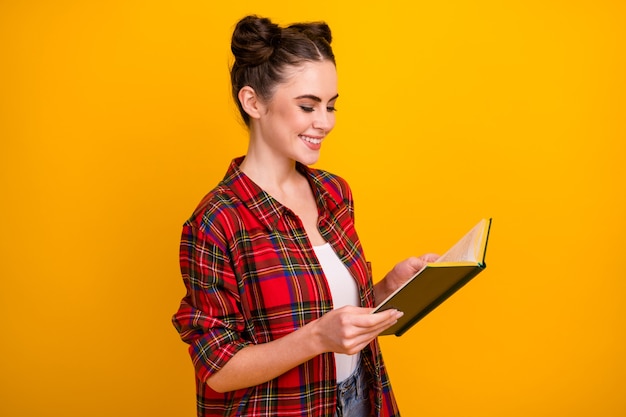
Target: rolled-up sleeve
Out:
[209,318]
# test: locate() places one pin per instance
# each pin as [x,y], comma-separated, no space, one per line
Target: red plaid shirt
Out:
[252,277]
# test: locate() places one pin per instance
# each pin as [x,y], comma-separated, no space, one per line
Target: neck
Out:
[269,172]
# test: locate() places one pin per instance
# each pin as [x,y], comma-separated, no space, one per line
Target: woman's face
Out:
[301,113]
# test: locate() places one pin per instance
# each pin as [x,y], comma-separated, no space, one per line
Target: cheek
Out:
[300,121]
[292,117]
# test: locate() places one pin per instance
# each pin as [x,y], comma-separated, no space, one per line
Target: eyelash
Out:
[307,109]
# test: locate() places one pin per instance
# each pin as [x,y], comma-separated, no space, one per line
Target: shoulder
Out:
[217,211]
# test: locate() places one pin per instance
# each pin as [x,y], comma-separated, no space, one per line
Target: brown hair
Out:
[263,50]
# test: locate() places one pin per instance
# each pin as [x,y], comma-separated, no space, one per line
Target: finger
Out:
[388,323]
[412,265]
[373,321]
[429,257]
[372,332]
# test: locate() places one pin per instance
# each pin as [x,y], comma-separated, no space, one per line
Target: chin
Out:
[309,159]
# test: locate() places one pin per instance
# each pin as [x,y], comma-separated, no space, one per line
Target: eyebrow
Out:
[315,98]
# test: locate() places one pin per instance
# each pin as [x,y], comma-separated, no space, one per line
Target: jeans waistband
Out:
[355,381]
[353,396]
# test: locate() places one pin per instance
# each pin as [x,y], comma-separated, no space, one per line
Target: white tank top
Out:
[344,291]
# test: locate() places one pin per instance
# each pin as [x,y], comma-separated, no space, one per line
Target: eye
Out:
[307,109]
[331,109]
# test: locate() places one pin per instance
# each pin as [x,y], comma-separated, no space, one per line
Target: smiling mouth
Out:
[314,141]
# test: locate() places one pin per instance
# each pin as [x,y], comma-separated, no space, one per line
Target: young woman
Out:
[279,294]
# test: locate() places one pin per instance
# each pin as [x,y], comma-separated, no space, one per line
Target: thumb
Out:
[429,257]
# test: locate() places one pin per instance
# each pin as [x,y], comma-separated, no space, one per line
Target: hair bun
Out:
[314,30]
[254,40]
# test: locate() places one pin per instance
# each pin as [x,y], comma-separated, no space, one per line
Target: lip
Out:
[312,142]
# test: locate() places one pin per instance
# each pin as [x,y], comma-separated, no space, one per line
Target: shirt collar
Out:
[265,208]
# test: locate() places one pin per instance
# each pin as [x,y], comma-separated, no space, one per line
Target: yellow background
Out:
[115,119]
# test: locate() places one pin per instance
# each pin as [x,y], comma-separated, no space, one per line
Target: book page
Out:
[467,248]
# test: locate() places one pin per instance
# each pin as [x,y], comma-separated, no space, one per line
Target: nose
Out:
[324,121]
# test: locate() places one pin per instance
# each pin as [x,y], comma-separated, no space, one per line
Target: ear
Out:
[250,102]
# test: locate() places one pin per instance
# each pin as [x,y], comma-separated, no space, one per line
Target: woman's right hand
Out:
[344,330]
[349,329]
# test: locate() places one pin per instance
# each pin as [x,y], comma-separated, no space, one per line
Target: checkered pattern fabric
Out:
[251,277]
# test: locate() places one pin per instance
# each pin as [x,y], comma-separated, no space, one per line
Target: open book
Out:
[437,281]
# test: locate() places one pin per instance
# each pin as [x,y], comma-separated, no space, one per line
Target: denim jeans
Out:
[353,396]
